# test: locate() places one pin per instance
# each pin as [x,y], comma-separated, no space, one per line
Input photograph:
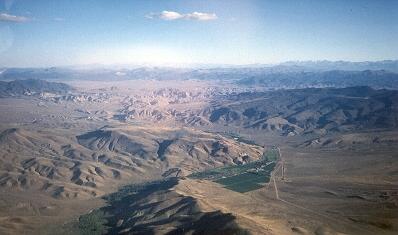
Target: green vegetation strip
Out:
[243,178]
[93,223]
[101,221]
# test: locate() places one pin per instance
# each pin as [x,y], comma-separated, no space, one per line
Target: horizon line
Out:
[191,65]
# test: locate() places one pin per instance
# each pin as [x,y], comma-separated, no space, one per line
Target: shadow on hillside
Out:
[144,208]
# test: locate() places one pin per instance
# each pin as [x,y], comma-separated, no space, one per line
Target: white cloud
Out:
[13,18]
[172,15]
[201,16]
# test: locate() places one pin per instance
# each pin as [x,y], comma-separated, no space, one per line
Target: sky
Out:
[39,33]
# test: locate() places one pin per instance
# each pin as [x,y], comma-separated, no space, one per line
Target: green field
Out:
[93,223]
[243,178]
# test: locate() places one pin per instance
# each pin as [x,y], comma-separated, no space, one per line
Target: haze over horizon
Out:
[44,33]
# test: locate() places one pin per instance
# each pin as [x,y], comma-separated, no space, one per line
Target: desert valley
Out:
[142,157]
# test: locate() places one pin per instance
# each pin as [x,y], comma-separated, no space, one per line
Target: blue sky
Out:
[53,33]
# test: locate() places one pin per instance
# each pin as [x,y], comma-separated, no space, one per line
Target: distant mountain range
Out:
[325,65]
[380,74]
[32,86]
[333,78]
